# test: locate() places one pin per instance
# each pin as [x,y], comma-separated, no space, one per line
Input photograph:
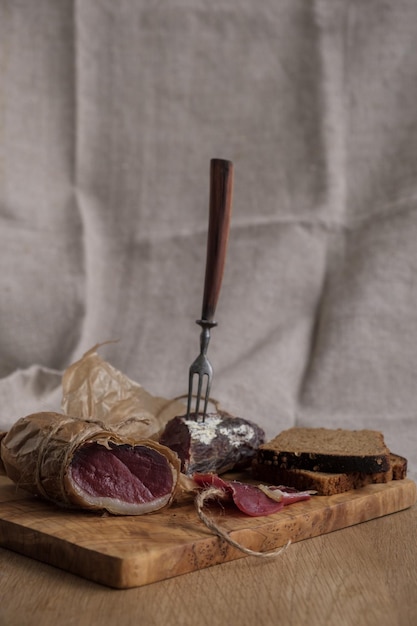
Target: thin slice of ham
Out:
[251,499]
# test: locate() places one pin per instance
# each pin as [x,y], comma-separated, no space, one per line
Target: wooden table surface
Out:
[365,574]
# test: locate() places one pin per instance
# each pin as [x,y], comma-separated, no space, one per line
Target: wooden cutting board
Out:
[125,552]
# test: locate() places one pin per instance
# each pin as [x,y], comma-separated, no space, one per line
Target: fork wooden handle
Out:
[221,191]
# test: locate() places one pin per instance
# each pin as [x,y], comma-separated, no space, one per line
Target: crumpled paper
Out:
[94,389]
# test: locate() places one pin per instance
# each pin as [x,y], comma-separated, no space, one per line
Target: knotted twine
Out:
[214,492]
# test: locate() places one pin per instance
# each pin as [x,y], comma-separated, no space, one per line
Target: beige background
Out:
[109,115]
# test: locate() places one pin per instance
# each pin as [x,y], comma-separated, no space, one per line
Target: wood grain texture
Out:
[124,552]
[363,575]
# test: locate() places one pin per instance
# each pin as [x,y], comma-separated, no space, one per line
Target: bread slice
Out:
[326,483]
[399,466]
[327,450]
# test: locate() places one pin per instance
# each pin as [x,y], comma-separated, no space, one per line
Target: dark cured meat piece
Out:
[219,444]
[130,474]
[249,498]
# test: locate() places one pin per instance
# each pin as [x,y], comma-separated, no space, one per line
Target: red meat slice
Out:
[252,501]
[249,498]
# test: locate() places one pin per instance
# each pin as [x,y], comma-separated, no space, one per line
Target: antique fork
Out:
[221,190]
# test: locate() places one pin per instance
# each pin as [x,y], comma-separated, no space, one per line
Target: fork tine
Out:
[201,368]
[197,404]
[190,394]
[199,394]
[207,396]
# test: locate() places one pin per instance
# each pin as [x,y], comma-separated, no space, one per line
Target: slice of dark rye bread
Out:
[327,450]
[326,483]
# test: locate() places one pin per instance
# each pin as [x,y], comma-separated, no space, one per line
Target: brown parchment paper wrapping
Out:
[38,449]
[94,389]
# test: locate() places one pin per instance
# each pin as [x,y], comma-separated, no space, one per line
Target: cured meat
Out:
[122,479]
[251,499]
[82,463]
[218,444]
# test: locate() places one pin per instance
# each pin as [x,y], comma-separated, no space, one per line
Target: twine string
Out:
[96,427]
[214,492]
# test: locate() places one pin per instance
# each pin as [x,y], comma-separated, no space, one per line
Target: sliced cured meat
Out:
[122,479]
[218,444]
[248,498]
[212,480]
[252,499]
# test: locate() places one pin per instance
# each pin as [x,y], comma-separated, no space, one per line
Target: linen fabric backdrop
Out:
[109,115]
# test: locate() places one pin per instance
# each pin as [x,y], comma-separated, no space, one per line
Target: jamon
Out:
[251,499]
[218,444]
[82,463]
